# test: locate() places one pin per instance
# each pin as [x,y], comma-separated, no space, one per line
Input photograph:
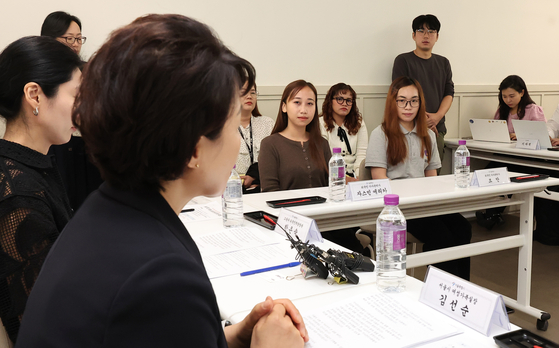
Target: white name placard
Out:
[490,177]
[530,144]
[481,309]
[296,224]
[362,190]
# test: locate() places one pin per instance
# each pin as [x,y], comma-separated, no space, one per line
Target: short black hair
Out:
[150,93]
[39,59]
[56,24]
[429,20]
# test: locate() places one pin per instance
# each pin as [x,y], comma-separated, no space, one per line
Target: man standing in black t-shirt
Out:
[432,71]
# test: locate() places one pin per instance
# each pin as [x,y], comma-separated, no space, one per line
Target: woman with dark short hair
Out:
[159,111]
[65,28]
[39,79]
[343,127]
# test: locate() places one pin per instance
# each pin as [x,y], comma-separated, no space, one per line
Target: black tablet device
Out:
[292,202]
[258,218]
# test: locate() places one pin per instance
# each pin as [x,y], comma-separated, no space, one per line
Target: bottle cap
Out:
[391,199]
[337,150]
[461,142]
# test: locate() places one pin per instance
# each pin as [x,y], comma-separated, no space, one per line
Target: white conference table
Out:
[507,153]
[236,295]
[433,196]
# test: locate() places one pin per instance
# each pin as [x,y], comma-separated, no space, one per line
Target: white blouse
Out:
[261,127]
[358,143]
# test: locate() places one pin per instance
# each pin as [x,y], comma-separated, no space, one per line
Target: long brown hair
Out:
[315,136]
[397,149]
[353,119]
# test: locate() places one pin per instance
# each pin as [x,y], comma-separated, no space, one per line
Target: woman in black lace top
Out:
[39,79]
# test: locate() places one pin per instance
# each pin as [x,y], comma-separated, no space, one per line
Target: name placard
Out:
[490,177]
[481,309]
[296,224]
[530,144]
[362,190]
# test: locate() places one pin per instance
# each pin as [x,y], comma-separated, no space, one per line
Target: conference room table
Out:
[237,295]
[432,196]
[507,153]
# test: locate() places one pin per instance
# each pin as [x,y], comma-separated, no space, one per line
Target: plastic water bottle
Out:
[232,201]
[336,181]
[462,165]
[391,247]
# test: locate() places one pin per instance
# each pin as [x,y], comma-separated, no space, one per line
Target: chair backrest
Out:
[364,173]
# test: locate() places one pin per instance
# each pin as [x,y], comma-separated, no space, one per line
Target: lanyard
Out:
[250,152]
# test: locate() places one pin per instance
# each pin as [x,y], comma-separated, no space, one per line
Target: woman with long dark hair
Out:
[515,103]
[404,147]
[39,79]
[295,156]
[343,127]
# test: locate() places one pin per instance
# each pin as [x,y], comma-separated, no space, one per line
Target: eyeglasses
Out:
[423,31]
[341,100]
[402,103]
[70,40]
[253,94]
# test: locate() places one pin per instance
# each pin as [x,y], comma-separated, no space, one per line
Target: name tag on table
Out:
[481,309]
[530,144]
[362,190]
[490,177]
[296,224]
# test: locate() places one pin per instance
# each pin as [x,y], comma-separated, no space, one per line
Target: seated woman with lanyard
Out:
[39,79]
[254,127]
[343,127]
[125,272]
[296,156]
[404,147]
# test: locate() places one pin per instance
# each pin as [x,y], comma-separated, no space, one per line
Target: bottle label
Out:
[399,240]
[464,161]
[233,189]
[337,172]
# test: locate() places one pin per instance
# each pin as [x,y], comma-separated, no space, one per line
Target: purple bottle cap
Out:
[391,199]
[337,150]
[461,142]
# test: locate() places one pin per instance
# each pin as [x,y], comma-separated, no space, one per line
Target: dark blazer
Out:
[123,273]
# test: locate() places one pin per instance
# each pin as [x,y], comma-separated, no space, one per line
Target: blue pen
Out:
[291,264]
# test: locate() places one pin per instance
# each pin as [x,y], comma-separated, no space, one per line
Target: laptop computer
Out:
[532,130]
[484,129]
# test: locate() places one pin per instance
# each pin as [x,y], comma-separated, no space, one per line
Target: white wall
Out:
[354,41]
[327,41]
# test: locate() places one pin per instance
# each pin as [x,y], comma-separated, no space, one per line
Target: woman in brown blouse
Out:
[295,156]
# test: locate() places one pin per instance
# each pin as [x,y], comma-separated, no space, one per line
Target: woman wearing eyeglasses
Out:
[343,127]
[65,28]
[404,147]
[254,127]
